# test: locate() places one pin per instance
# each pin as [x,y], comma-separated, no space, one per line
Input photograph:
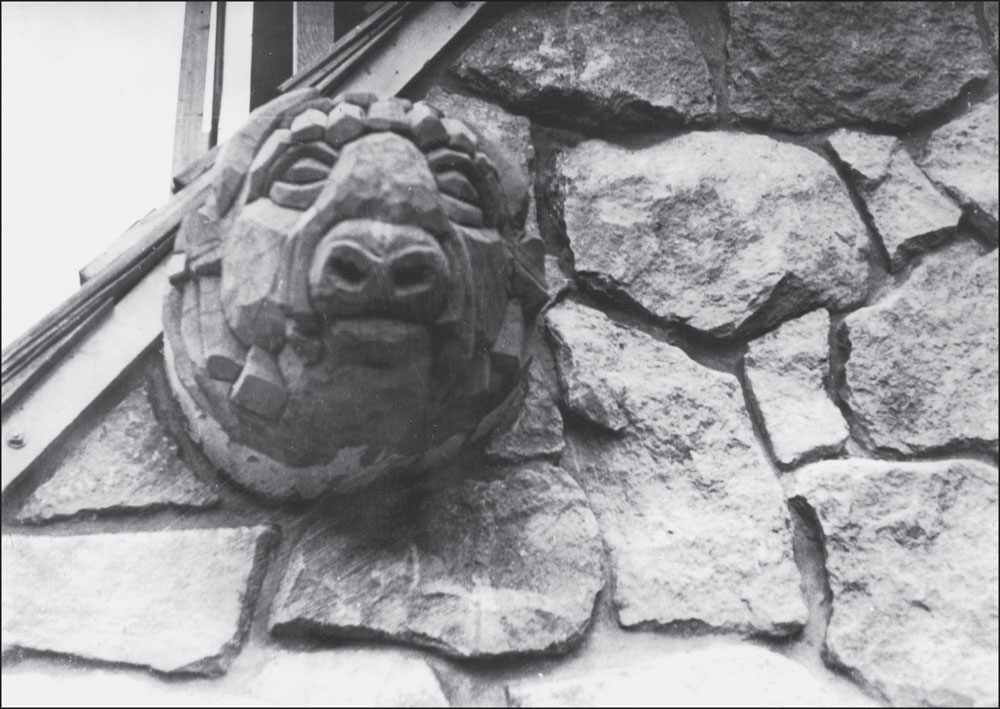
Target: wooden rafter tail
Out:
[373,24]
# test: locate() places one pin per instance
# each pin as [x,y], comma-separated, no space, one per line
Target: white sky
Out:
[89,95]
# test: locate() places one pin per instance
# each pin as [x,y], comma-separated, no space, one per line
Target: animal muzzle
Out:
[365,268]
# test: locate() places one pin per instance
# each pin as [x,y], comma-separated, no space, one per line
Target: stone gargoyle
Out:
[354,299]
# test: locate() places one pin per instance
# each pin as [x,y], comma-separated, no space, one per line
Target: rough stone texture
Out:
[721,676]
[990,11]
[504,129]
[785,374]
[176,601]
[693,515]
[510,564]
[259,677]
[804,66]
[538,430]
[555,279]
[346,678]
[912,561]
[606,64]
[961,156]
[126,462]
[726,232]
[922,371]
[905,209]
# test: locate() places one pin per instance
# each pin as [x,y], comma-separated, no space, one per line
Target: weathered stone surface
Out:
[922,371]
[538,430]
[785,374]
[804,66]
[726,232]
[962,157]
[126,462]
[499,127]
[346,678]
[260,676]
[911,552]
[693,515]
[510,564]
[990,10]
[906,210]
[176,601]
[723,676]
[607,64]
[555,279]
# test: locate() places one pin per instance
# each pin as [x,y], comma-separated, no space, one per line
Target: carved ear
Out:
[232,165]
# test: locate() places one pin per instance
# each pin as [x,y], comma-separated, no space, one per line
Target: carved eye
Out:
[299,180]
[306,170]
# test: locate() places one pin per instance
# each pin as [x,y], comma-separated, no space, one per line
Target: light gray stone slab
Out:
[961,156]
[173,601]
[922,375]
[905,208]
[126,462]
[728,233]
[911,553]
[786,371]
[691,511]
[721,676]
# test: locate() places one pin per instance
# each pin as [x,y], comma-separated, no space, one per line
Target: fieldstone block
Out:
[786,372]
[346,678]
[911,553]
[126,462]
[508,564]
[807,66]
[693,516]
[906,211]
[721,676]
[538,430]
[603,64]
[728,233]
[175,601]
[961,156]
[922,370]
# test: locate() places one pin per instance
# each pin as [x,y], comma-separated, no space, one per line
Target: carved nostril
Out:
[410,276]
[345,271]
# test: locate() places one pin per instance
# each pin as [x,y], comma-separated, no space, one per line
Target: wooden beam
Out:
[315,31]
[190,141]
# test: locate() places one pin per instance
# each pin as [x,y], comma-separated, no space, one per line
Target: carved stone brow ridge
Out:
[312,138]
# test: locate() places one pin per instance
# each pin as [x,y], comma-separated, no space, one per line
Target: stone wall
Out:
[757,462]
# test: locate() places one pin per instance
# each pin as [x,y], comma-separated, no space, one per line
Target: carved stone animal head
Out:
[355,297]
